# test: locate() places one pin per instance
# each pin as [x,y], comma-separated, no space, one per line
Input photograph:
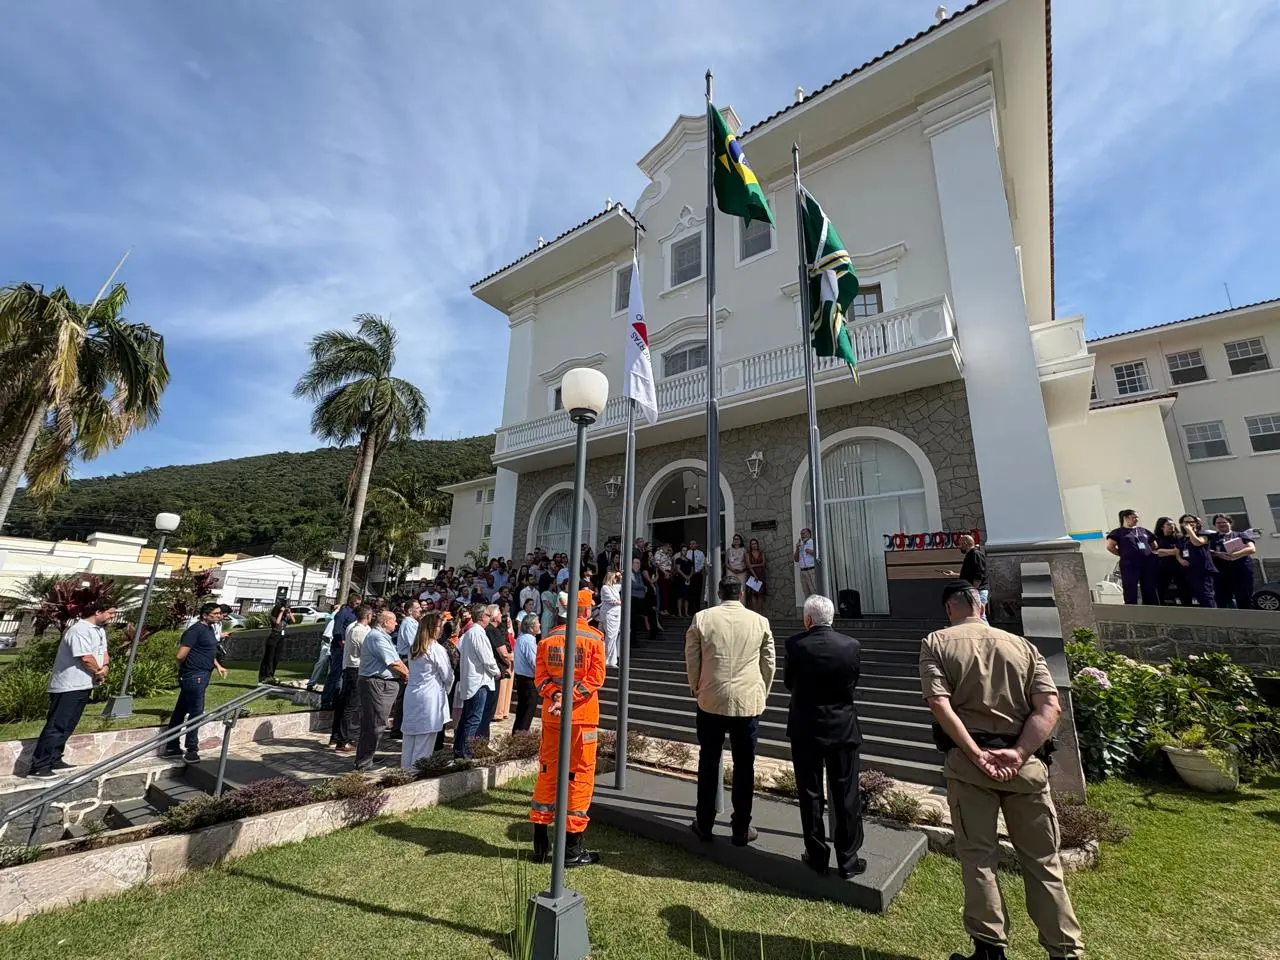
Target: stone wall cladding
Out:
[936,418]
[1255,649]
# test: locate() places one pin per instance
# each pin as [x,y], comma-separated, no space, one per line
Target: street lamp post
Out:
[559,915]
[120,706]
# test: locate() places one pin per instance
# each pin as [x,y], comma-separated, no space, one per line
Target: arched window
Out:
[554,532]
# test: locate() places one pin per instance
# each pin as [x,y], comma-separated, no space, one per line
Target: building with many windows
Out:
[1224,425]
[933,161]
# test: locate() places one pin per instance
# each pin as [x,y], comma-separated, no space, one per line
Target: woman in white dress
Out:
[611,615]
[426,696]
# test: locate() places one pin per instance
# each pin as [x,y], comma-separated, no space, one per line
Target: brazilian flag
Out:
[738,192]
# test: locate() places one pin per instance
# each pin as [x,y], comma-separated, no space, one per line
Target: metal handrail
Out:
[228,713]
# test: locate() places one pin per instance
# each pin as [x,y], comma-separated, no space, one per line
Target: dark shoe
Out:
[63,765]
[345,748]
[706,836]
[858,867]
[576,853]
[42,774]
[395,735]
[746,839]
[172,751]
[982,951]
[191,756]
[541,843]
[820,869]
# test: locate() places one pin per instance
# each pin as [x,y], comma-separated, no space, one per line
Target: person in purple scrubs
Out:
[1197,560]
[1135,546]
[1172,577]
[1233,552]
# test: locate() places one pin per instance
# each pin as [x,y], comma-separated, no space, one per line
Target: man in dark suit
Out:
[822,670]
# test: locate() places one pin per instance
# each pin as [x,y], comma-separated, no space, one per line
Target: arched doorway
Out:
[872,485]
[673,505]
[551,525]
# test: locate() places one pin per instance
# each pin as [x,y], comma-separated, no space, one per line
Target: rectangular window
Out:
[479,496]
[622,289]
[692,356]
[1264,432]
[557,401]
[488,495]
[1233,507]
[868,302]
[686,260]
[1247,356]
[754,238]
[1131,377]
[488,529]
[1206,440]
[1186,367]
[1273,501]
[1093,390]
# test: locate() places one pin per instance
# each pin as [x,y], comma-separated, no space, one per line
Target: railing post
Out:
[37,823]
[228,724]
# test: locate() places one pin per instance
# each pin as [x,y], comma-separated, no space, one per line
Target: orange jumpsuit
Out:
[588,679]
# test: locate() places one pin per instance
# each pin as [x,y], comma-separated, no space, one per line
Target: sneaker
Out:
[172,751]
[191,756]
[63,765]
[42,774]
[746,839]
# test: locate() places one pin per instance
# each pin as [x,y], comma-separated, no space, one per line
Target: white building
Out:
[471,527]
[1223,428]
[933,161]
[436,543]
[106,554]
[256,579]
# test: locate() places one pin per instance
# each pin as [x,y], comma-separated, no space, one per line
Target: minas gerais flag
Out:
[738,192]
[639,383]
[832,284]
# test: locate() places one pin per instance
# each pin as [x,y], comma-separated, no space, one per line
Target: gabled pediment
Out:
[686,130]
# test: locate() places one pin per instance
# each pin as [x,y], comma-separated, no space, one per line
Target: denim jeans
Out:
[473,714]
[321,669]
[191,691]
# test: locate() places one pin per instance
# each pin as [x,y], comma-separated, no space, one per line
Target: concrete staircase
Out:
[895,722]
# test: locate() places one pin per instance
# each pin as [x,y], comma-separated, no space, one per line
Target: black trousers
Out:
[712,729]
[271,652]
[397,711]
[60,722]
[191,691]
[840,763]
[526,703]
[346,707]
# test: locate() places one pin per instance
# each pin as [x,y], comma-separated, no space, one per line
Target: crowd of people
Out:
[1181,562]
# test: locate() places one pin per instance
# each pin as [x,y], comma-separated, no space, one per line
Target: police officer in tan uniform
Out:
[995,707]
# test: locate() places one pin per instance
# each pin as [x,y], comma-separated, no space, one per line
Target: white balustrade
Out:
[873,338]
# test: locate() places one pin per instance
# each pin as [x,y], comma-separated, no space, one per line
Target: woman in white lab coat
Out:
[611,615]
[426,696]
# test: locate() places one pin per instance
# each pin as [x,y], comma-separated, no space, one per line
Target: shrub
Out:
[872,786]
[1079,825]
[264,796]
[523,745]
[728,775]
[196,813]
[15,855]
[784,781]
[256,621]
[900,806]
[366,806]
[348,785]
[481,749]
[397,777]
[150,677]
[439,763]
[932,816]
[23,693]
[675,754]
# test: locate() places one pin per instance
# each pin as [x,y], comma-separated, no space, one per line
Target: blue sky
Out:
[278,167]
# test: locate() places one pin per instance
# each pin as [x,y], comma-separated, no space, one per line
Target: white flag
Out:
[639,365]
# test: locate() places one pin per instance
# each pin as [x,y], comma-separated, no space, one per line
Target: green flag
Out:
[832,285]
[738,192]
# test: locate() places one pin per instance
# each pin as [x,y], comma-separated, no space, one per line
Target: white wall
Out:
[468,520]
[103,554]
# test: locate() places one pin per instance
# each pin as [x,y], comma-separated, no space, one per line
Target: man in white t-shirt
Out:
[805,557]
[80,665]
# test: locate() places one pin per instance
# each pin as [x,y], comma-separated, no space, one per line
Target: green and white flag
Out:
[832,284]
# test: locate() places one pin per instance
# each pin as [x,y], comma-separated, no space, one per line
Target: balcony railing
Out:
[874,338]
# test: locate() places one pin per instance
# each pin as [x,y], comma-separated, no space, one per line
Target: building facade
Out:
[933,161]
[105,554]
[1224,427]
[471,529]
[252,583]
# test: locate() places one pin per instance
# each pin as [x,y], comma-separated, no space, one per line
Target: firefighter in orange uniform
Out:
[588,677]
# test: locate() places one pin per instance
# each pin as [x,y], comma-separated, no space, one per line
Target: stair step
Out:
[130,813]
[866,697]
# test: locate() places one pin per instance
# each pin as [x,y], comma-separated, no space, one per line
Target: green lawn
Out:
[1199,878]
[242,675]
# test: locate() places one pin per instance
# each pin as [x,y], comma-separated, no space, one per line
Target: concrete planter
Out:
[1200,773]
[48,884]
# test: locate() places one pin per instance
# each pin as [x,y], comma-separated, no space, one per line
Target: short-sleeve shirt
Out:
[203,650]
[526,654]
[80,639]
[989,675]
[377,653]
[1218,542]
[1135,543]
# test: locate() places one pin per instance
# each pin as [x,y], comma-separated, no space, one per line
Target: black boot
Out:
[541,843]
[982,951]
[576,853]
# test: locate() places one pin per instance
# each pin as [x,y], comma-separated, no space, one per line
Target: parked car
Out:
[233,621]
[304,614]
[1267,596]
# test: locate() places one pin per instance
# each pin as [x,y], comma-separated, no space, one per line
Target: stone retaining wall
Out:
[300,643]
[48,884]
[88,748]
[1154,634]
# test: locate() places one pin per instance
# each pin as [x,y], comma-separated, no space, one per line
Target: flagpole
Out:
[816,498]
[628,535]
[711,570]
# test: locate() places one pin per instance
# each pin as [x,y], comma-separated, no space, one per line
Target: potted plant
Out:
[1202,763]
[1268,685]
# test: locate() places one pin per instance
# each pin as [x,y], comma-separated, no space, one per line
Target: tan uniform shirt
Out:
[730,658]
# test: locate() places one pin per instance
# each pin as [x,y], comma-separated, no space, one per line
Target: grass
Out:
[242,675]
[1198,879]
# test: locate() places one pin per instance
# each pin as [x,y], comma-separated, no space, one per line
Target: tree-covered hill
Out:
[256,501]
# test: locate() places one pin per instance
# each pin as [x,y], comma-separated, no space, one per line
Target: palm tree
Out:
[357,399]
[199,532]
[308,544]
[78,380]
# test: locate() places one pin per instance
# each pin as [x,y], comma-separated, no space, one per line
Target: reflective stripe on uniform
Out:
[548,683]
[578,813]
[581,689]
[589,736]
[542,807]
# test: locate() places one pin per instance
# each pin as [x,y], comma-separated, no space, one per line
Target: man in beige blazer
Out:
[729,654]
